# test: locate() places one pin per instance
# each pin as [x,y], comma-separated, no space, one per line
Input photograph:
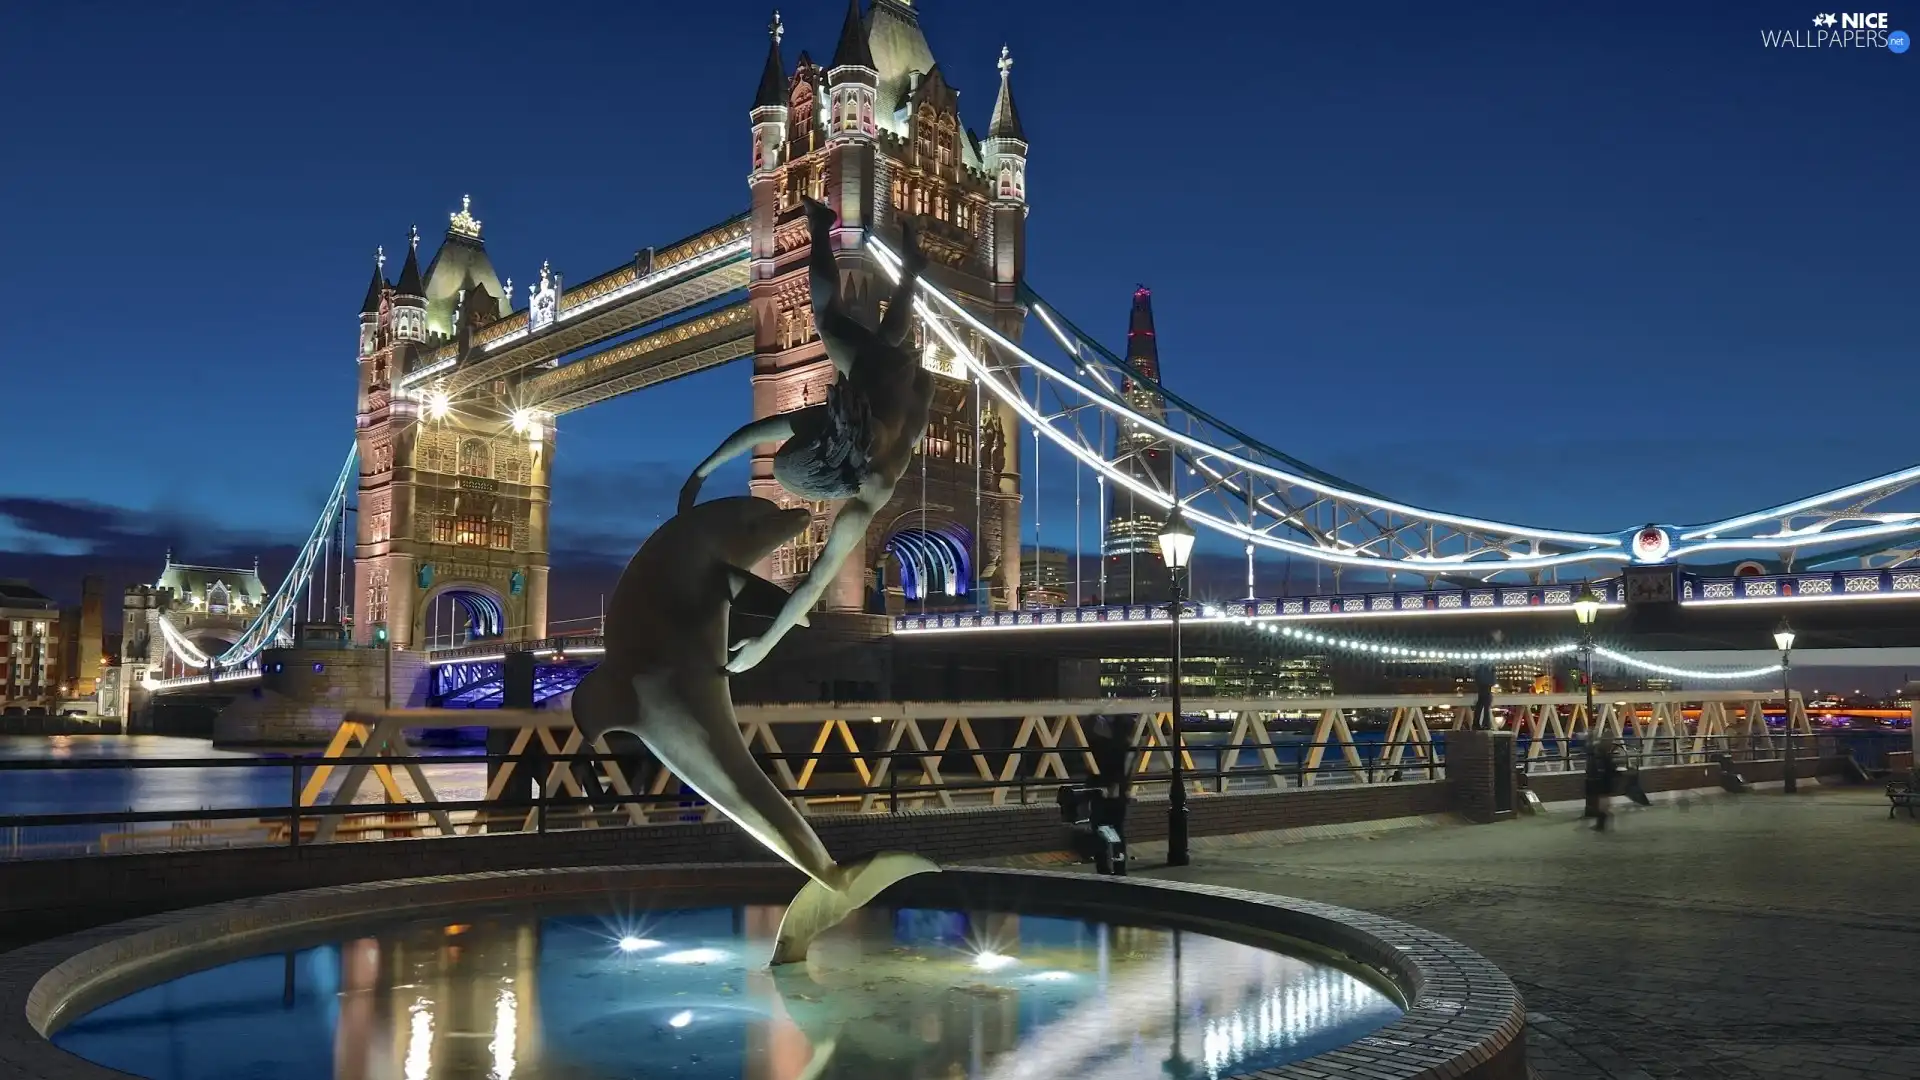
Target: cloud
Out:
[54,543]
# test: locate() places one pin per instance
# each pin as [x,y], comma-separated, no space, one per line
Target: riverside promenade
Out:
[1718,936]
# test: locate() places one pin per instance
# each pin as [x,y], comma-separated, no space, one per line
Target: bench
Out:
[1905,793]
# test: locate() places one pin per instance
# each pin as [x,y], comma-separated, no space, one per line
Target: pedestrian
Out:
[1603,763]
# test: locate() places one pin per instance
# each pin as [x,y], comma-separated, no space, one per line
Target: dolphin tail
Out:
[755,595]
[817,1064]
[604,702]
[817,907]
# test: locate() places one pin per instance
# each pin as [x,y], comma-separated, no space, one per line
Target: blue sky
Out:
[1580,266]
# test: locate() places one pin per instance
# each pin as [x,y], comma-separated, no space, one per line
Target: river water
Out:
[194,787]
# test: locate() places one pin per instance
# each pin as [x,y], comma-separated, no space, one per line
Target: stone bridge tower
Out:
[453,487]
[876,134]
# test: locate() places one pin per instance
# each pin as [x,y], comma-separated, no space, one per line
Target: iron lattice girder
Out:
[656,371]
[588,378]
[650,306]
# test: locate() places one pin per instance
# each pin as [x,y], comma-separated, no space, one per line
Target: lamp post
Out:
[1783,639]
[1176,547]
[1586,608]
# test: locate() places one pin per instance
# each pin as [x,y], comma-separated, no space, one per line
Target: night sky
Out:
[1580,267]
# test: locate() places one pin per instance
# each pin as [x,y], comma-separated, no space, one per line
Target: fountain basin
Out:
[661,966]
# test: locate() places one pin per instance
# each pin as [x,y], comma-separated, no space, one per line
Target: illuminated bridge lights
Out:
[1694,592]
[549,682]
[1318,517]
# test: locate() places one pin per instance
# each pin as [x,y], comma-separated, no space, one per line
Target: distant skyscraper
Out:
[1135,574]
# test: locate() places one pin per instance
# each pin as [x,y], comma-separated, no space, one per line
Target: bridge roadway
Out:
[1872,609]
[1838,625]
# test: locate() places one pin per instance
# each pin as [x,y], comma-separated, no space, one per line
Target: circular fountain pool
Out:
[609,975]
[532,994]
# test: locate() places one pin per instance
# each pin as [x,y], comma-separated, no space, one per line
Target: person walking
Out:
[1603,763]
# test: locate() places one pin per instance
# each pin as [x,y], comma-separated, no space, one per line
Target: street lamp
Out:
[1586,608]
[1783,640]
[1176,547]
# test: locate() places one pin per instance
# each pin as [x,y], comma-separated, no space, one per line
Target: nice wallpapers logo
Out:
[1843,30]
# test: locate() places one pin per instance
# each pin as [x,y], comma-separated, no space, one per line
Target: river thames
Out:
[267,786]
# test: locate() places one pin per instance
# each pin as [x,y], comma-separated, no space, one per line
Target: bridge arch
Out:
[931,564]
[458,612]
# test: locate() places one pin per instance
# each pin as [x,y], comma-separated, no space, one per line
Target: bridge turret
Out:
[852,83]
[370,307]
[410,297]
[1006,140]
[1006,161]
[770,108]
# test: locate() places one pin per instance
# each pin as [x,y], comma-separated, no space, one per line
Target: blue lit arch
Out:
[483,612]
[933,562]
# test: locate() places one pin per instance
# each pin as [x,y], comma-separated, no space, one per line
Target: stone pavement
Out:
[1718,936]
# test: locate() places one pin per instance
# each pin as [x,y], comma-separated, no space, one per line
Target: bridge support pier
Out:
[516,692]
[1480,770]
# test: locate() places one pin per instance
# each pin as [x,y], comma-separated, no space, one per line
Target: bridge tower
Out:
[876,135]
[451,540]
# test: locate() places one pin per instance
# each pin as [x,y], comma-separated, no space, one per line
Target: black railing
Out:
[1372,762]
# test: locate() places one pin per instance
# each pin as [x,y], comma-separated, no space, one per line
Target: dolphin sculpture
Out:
[663,680]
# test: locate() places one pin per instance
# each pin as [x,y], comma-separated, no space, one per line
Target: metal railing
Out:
[842,782]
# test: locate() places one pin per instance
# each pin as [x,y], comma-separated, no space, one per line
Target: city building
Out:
[1522,678]
[1218,676]
[83,641]
[1132,572]
[207,606]
[30,649]
[1046,578]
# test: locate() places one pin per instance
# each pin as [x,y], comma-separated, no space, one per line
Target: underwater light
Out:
[992,961]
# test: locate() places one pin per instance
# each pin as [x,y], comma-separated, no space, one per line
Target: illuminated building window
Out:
[474,458]
[471,531]
[500,535]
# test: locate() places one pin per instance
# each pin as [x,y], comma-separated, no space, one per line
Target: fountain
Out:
[604,973]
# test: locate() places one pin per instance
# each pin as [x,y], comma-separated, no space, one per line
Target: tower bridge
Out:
[446,489]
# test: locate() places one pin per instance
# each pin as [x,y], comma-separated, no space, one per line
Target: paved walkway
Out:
[1723,936]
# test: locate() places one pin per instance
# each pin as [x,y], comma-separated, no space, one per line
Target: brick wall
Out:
[81,890]
[1567,787]
[1470,772]
[40,897]
[295,705]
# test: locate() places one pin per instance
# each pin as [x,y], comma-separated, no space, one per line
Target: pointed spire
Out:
[853,50]
[1143,349]
[409,283]
[773,80]
[371,305]
[1006,118]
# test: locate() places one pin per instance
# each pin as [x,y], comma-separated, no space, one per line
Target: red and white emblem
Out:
[1651,544]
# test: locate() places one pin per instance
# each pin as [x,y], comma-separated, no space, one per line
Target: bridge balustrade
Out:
[882,758]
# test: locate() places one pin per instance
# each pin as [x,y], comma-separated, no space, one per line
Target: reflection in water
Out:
[914,994]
